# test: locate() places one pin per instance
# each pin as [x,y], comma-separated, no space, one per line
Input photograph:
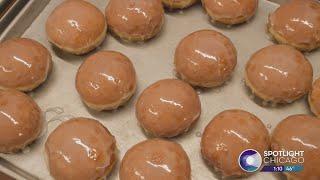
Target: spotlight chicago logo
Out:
[251,160]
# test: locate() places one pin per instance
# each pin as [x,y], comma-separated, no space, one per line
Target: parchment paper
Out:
[153,61]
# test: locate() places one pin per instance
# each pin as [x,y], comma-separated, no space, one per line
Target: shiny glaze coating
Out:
[300,133]
[297,23]
[314,98]
[168,108]
[155,159]
[24,64]
[230,11]
[20,121]
[76,26]
[135,20]
[279,73]
[106,80]
[178,4]
[227,135]
[205,58]
[80,148]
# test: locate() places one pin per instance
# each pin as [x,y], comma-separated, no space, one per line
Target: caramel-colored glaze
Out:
[168,108]
[227,135]
[76,25]
[205,58]
[298,22]
[20,120]
[230,11]
[24,64]
[155,159]
[300,133]
[80,148]
[106,77]
[279,73]
[314,98]
[135,19]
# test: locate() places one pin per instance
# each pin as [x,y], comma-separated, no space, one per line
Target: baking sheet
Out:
[153,61]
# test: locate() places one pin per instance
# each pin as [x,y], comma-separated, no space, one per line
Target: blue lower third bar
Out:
[293,168]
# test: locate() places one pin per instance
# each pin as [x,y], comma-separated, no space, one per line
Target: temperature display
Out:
[294,168]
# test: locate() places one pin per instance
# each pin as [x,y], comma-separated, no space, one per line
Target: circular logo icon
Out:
[250,160]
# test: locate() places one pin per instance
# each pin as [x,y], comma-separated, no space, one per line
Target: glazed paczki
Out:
[228,135]
[24,64]
[168,108]
[297,23]
[279,74]
[106,80]
[80,148]
[314,98]
[230,11]
[178,4]
[205,58]
[155,159]
[76,26]
[135,20]
[300,133]
[21,121]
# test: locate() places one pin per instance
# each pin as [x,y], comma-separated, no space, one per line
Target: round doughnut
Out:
[76,26]
[168,108]
[80,148]
[135,20]
[300,133]
[155,159]
[314,98]
[24,64]
[227,135]
[178,4]
[20,121]
[297,23]
[205,58]
[230,12]
[279,74]
[106,80]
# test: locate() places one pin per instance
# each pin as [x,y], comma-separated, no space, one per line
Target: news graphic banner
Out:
[251,160]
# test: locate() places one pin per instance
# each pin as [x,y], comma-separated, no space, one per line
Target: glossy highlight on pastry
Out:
[227,135]
[205,58]
[20,121]
[230,12]
[155,159]
[76,26]
[178,4]
[106,80]
[300,132]
[279,74]
[297,23]
[135,20]
[24,64]
[168,108]
[80,148]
